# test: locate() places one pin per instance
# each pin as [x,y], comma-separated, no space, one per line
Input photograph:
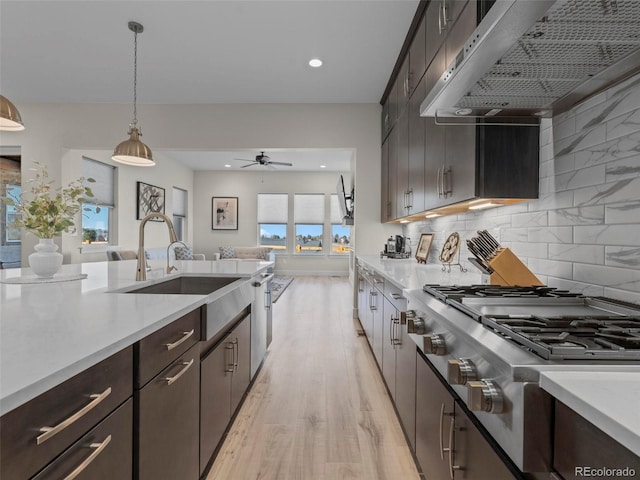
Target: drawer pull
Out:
[171,346]
[49,432]
[187,365]
[99,447]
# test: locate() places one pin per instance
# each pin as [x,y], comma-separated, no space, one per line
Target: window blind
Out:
[308,208]
[273,208]
[179,202]
[336,211]
[102,188]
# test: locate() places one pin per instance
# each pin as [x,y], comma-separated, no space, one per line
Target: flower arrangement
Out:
[52,210]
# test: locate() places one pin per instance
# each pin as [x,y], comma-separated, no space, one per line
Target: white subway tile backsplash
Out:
[513,235]
[622,191]
[571,285]
[628,167]
[624,125]
[607,234]
[582,140]
[580,178]
[553,268]
[628,257]
[564,126]
[625,295]
[552,202]
[529,219]
[619,278]
[565,163]
[589,104]
[546,135]
[551,234]
[528,250]
[593,215]
[608,151]
[577,253]
[622,213]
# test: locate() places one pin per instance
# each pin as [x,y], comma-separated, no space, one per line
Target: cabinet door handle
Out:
[440,19]
[372,303]
[442,414]
[236,354]
[267,300]
[49,432]
[185,335]
[438,182]
[451,449]
[391,329]
[445,20]
[229,368]
[397,296]
[97,450]
[187,365]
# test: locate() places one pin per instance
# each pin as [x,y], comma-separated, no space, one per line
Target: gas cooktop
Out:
[555,324]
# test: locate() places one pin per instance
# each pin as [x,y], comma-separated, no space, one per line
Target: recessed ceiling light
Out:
[227,165]
[323,166]
[315,62]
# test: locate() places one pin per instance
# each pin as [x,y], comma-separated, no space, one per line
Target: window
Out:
[273,216]
[98,211]
[340,235]
[308,212]
[12,234]
[179,212]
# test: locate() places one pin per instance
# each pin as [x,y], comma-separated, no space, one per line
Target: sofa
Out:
[246,253]
[176,252]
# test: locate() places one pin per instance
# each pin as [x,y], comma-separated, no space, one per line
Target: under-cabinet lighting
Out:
[482,206]
[226,165]
[315,62]
[432,215]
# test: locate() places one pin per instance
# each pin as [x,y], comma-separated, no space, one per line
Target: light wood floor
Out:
[318,408]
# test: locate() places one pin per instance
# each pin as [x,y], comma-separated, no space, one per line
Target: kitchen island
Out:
[50,332]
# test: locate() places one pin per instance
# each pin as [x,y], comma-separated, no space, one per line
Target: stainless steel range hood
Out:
[539,58]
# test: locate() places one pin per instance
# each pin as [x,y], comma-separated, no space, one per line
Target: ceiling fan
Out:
[262,159]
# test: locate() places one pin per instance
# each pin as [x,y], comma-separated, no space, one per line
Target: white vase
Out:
[45,261]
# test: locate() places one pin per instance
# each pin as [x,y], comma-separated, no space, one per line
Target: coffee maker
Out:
[396,247]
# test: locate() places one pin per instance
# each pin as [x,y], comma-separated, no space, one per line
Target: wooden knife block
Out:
[509,270]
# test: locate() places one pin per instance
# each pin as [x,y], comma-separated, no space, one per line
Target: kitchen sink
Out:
[187,286]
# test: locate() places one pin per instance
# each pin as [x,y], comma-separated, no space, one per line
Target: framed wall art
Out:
[422,252]
[150,200]
[224,213]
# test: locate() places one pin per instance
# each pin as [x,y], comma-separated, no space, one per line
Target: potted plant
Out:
[50,212]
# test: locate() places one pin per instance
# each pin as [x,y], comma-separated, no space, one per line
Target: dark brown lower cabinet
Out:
[448,443]
[406,382]
[225,376]
[583,450]
[167,421]
[104,453]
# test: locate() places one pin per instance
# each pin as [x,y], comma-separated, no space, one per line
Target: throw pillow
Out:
[264,253]
[183,253]
[227,252]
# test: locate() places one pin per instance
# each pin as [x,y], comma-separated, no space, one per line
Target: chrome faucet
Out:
[141,273]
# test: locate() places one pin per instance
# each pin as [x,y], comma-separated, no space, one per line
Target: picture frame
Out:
[422,252]
[224,213]
[151,199]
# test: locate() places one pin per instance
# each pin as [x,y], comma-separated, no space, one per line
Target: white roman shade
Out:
[273,208]
[102,188]
[308,208]
[179,202]
[336,212]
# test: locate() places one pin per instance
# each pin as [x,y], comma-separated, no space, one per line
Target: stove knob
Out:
[434,344]
[416,325]
[485,396]
[461,371]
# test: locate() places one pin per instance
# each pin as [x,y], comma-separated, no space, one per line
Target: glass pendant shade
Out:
[10,119]
[133,151]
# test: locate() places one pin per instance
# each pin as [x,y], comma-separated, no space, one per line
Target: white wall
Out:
[54,129]
[166,174]
[583,233]
[246,185]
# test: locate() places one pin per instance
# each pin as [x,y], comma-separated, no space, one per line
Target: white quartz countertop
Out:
[609,400]
[410,275]
[49,332]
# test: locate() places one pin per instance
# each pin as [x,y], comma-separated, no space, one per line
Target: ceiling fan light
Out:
[10,119]
[133,151]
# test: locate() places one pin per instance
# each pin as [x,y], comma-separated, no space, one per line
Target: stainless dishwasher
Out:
[260,320]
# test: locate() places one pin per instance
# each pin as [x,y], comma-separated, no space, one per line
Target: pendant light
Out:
[133,151]
[10,119]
